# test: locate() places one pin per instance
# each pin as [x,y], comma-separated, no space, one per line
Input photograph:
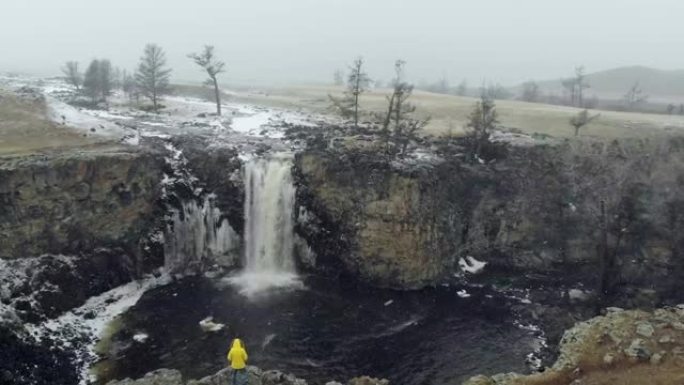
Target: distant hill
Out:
[660,85]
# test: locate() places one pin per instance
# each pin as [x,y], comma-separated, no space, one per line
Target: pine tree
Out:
[357,83]
[152,76]
[99,80]
[482,120]
[106,80]
[91,81]
[399,123]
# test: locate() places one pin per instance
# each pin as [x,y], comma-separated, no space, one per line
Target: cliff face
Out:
[606,217]
[74,202]
[219,171]
[383,224]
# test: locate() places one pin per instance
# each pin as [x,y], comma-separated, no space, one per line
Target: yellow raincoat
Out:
[237,355]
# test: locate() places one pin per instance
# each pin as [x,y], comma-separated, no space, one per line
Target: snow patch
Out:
[62,113]
[208,325]
[140,338]
[471,265]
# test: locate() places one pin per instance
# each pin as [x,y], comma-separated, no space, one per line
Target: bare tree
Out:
[357,83]
[213,67]
[670,108]
[575,87]
[530,91]
[152,76]
[482,120]
[570,87]
[72,75]
[129,87]
[602,180]
[338,77]
[495,91]
[106,79]
[462,88]
[582,119]
[442,86]
[635,96]
[117,78]
[581,84]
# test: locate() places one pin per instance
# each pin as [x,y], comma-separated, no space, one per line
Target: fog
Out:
[296,41]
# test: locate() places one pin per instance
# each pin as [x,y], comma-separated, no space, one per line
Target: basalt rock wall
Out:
[604,216]
[75,202]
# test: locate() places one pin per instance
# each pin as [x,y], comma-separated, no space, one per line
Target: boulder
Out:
[645,329]
[276,377]
[157,377]
[365,380]
[637,350]
[479,380]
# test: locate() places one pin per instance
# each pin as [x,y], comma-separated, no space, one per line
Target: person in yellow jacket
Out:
[237,356]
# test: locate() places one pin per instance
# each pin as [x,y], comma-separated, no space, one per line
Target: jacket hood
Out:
[237,344]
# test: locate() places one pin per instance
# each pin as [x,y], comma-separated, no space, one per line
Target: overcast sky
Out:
[281,41]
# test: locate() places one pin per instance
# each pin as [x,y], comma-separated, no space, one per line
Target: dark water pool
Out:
[328,331]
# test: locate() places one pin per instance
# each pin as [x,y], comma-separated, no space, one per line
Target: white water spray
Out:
[269,225]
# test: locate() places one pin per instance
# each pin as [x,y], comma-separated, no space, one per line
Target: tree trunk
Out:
[356,109]
[607,262]
[218,96]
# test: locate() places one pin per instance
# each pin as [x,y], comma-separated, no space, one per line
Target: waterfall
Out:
[269,225]
[269,217]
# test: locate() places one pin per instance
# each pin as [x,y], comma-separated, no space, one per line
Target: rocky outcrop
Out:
[76,202]
[622,347]
[26,360]
[255,376]
[598,217]
[219,170]
[45,287]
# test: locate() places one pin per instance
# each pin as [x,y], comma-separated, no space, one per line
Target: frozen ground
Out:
[181,115]
[84,326]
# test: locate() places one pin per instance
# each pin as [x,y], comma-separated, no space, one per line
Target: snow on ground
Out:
[513,138]
[181,115]
[88,322]
[85,120]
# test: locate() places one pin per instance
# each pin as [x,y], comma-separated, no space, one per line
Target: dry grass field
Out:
[26,129]
[449,112]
